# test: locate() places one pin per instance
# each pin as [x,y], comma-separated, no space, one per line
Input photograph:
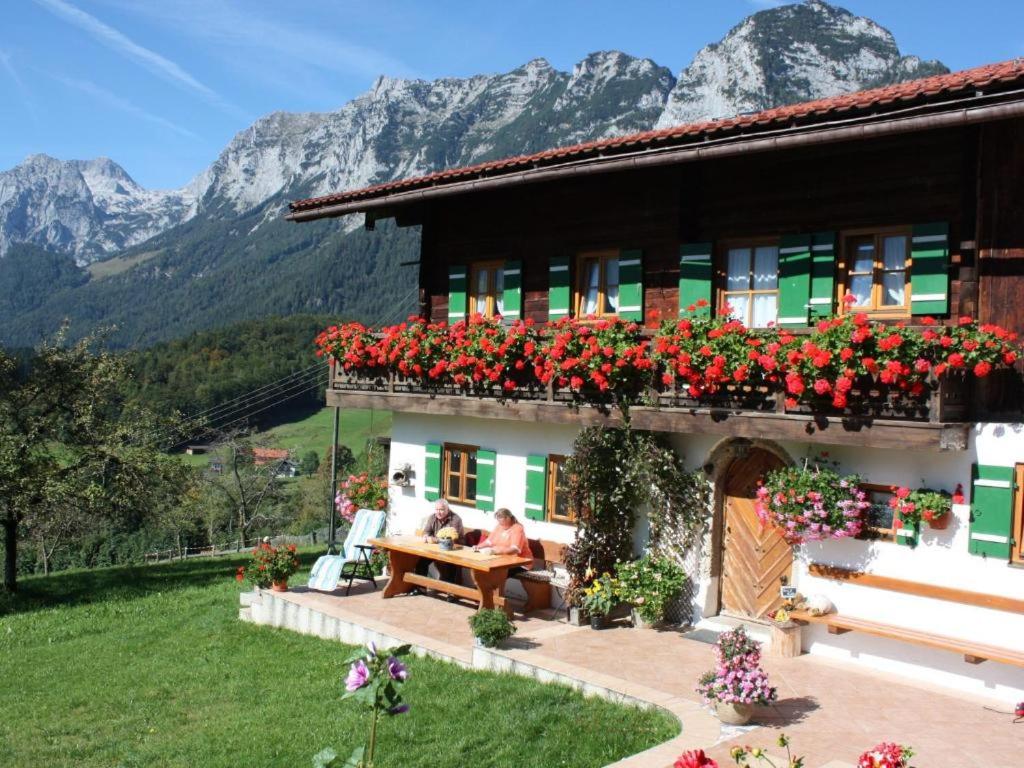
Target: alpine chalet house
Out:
[902,205]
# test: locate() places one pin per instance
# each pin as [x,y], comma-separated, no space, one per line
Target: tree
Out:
[310,463]
[250,490]
[72,455]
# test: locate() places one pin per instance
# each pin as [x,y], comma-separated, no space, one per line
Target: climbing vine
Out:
[613,472]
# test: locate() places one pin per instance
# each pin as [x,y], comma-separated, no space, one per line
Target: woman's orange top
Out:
[513,536]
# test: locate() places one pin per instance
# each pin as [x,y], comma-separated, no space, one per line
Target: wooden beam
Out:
[835,630]
[897,435]
[949,594]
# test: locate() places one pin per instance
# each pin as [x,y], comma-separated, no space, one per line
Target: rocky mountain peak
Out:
[786,55]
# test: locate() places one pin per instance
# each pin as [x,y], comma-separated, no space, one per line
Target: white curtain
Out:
[593,283]
[894,261]
[499,291]
[611,283]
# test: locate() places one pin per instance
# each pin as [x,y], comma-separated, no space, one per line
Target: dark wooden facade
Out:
[970,177]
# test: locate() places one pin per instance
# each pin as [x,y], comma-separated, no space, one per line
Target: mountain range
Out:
[81,240]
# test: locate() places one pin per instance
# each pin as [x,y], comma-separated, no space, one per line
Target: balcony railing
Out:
[877,415]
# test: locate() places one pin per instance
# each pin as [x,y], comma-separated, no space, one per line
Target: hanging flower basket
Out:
[811,504]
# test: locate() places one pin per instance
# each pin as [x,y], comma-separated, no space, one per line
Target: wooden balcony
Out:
[881,419]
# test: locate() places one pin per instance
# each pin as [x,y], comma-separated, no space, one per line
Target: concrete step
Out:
[719,624]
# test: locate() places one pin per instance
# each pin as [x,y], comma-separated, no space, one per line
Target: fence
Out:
[229,547]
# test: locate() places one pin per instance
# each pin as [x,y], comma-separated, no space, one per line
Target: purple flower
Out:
[358,676]
[401,709]
[397,669]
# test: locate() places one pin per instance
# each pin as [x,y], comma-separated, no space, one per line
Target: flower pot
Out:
[639,622]
[279,586]
[598,622]
[734,714]
[446,545]
[940,523]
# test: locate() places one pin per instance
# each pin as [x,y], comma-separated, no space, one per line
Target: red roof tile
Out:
[896,95]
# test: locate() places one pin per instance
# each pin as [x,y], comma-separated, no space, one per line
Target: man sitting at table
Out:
[443,517]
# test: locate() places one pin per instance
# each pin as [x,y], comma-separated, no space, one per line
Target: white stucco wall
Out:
[941,557]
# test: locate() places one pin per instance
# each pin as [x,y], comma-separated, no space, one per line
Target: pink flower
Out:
[358,676]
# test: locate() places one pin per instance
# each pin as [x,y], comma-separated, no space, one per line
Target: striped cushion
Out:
[541,575]
[367,525]
[326,573]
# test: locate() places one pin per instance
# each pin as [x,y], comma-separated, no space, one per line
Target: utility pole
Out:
[333,514]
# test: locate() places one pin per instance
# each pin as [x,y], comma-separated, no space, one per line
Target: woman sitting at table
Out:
[508,538]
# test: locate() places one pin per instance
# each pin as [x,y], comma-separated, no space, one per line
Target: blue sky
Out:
[162,85]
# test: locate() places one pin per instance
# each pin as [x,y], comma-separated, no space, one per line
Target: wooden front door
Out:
[756,561]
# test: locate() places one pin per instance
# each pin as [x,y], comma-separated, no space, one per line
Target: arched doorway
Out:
[756,561]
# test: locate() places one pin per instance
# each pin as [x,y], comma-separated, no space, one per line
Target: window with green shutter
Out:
[456,293]
[794,280]
[559,292]
[485,466]
[536,487]
[695,278]
[991,511]
[631,285]
[929,269]
[432,472]
[823,274]
[512,306]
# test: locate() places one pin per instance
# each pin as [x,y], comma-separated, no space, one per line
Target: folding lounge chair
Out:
[330,569]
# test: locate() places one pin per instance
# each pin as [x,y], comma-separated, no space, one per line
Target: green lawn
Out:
[313,433]
[149,666]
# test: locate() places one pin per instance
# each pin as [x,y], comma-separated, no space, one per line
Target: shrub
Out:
[491,626]
[649,585]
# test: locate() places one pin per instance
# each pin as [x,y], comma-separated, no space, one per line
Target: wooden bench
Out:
[972,652]
[537,583]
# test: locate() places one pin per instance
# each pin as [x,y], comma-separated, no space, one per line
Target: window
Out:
[460,474]
[487,288]
[879,516]
[597,291]
[557,501]
[751,286]
[877,268]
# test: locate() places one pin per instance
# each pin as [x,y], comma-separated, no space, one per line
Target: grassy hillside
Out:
[149,666]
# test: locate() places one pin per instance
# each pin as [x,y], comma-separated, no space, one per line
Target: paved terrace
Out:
[831,711]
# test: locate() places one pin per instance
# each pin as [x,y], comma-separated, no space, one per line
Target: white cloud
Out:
[271,46]
[19,84]
[104,96]
[120,43]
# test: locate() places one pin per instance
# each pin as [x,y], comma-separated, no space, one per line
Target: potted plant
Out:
[924,504]
[599,599]
[811,503]
[271,566]
[737,682]
[886,755]
[490,626]
[649,585]
[446,538]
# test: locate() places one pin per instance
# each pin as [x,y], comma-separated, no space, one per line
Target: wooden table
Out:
[489,571]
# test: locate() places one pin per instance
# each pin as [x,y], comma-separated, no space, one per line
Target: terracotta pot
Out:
[940,523]
[734,714]
[279,586]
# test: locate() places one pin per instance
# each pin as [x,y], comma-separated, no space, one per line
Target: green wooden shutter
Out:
[432,475]
[794,280]
[558,288]
[908,535]
[929,269]
[823,274]
[536,487]
[456,293]
[485,479]
[631,285]
[991,511]
[512,296]
[695,277]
